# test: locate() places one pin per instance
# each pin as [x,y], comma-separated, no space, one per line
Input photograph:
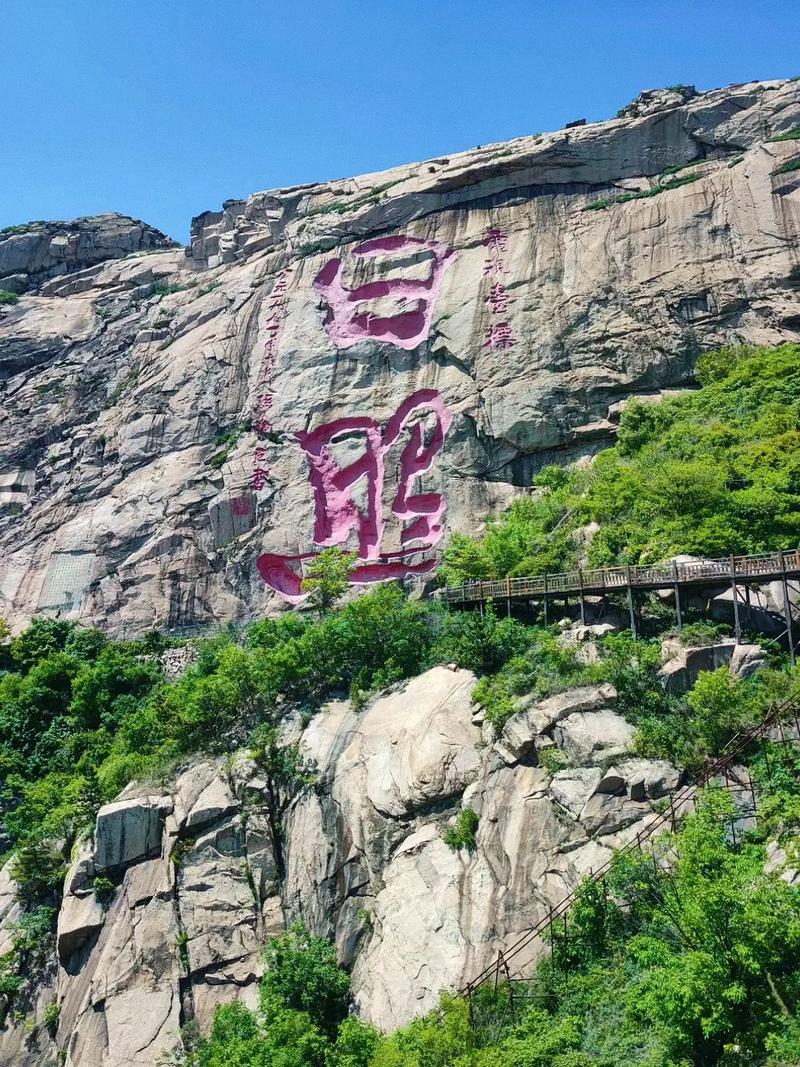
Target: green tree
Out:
[302,974]
[327,577]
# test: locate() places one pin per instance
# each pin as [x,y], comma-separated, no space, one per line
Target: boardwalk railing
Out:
[767,566]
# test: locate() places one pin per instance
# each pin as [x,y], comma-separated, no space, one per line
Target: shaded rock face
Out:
[364,863]
[374,362]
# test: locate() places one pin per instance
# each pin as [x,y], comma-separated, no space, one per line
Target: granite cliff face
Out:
[201,880]
[370,362]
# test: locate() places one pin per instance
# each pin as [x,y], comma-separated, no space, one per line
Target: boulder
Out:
[604,814]
[612,781]
[520,732]
[778,863]
[765,612]
[588,737]
[644,779]
[681,671]
[747,659]
[129,831]
[417,744]
[79,919]
[189,787]
[214,803]
[80,875]
[591,632]
[572,788]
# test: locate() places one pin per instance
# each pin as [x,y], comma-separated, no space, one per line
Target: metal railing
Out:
[762,566]
[680,803]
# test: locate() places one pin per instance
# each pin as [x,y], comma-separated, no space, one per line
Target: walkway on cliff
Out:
[734,571]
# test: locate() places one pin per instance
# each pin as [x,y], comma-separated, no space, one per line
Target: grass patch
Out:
[225,442]
[788,166]
[167,289]
[787,135]
[314,248]
[7,297]
[371,196]
[644,194]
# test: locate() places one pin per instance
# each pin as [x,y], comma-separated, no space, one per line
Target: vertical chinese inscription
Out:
[276,307]
[499,335]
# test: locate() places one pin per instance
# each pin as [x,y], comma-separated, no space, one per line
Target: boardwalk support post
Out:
[545,600]
[630,602]
[583,602]
[737,629]
[677,595]
[508,598]
[787,609]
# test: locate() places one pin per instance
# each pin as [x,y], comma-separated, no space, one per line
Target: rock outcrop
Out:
[33,253]
[173,420]
[192,884]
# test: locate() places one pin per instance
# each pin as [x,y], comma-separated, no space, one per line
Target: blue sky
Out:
[165,108]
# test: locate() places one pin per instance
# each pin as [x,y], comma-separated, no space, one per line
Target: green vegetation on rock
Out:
[789,166]
[787,135]
[701,965]
[689,958]
[711,472]
[462,833]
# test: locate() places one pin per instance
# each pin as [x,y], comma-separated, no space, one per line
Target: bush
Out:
[543,668]
[7,297]
[104,891]
[481,642]
[302,974]
[462,835]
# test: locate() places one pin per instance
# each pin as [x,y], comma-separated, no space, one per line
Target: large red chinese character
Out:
[353,314]
[338,515]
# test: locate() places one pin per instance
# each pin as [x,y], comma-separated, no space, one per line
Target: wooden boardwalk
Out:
[733,571]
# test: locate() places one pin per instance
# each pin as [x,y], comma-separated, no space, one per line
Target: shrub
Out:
[462,834]
[51,1016]
[553,759]
[7,297]
[327,577]
[104,891]
[302,974]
